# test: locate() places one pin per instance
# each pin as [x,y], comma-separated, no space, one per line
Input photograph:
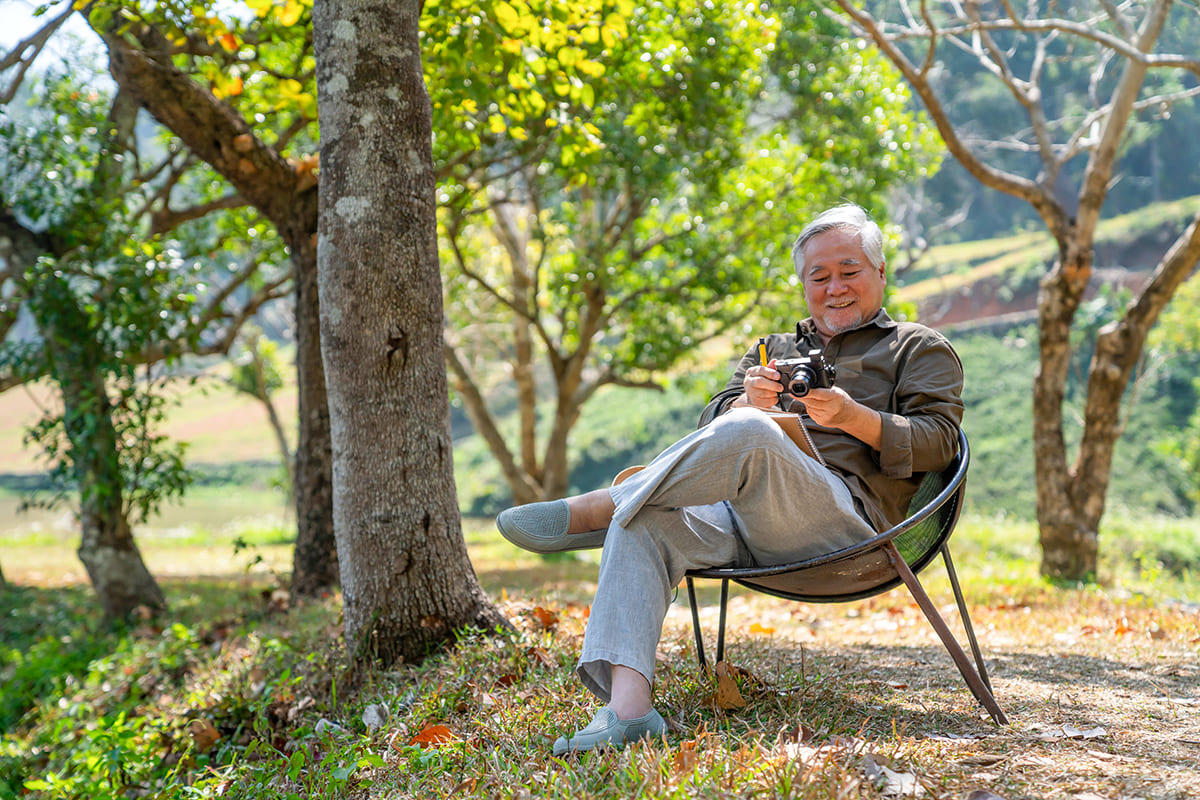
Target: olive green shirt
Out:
[909,374]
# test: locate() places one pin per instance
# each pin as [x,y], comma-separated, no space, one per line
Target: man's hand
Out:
[761,387]
[833,408]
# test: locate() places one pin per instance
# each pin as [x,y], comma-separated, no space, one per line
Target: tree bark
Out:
[284,195]
[407,583]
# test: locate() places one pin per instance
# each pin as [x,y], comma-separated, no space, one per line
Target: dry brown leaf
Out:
[983,794]
[204,734]
[540,656]
[982,760]
[686,759]
[728,694]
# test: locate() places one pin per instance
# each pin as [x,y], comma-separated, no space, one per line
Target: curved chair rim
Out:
[954,485]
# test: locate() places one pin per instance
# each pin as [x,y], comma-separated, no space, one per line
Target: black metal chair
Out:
[873,567]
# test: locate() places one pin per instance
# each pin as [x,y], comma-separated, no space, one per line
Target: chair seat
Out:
[873,566]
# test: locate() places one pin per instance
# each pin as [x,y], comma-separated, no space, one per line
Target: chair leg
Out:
[976,684]
[965,616]
[691,589]
[721,624]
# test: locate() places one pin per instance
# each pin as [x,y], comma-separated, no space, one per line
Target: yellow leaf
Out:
[508,17]
[756,628]
[290,14]
[496,123]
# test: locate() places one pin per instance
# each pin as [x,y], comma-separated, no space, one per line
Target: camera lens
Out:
[801,380]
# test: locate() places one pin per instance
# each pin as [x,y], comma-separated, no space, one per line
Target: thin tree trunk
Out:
[277,189]
[107,549]
[407,583]
[1070,542]
[315,559]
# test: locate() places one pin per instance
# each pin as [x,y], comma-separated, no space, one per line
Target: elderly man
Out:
[739,491]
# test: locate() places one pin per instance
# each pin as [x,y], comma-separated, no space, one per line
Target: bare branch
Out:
[165,219]
[26,51]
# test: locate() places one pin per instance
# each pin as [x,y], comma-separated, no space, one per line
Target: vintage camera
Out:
[809,371]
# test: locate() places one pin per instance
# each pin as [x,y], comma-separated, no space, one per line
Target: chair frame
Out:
[884,563]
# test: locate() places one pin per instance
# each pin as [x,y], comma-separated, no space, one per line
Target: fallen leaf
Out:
[540,656]
[547,619]
[761,629]
[375,716]
[728,694]
[797,734]
[686,759]
[325,726]
[1071,732]
[1122,627]
[982,760]
[204,734]
[434,735]
[890,782]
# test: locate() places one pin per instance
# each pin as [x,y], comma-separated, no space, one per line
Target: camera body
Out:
[809,371]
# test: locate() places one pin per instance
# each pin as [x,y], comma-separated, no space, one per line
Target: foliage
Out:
[97,306]
[599,243]
[999,371]
[1176,340]
[255,56]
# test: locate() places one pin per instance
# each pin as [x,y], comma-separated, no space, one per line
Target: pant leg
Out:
[786,504]
[640,566]
[675,515]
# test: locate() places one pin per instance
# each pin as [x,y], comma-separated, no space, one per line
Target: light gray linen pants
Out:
[737,491]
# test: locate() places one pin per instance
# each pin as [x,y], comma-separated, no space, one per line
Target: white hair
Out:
[849,216]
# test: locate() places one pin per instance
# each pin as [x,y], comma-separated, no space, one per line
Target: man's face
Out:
[843,290]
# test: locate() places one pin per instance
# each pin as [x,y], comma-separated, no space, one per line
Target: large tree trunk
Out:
[407,583]
[114,564]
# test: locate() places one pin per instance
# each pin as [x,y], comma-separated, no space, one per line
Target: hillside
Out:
[995,281]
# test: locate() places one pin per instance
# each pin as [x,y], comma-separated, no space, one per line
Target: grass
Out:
[232,695]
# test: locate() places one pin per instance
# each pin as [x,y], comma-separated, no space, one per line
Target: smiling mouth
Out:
[839,306]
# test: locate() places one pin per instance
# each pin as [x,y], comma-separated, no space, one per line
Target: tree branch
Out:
[26,51]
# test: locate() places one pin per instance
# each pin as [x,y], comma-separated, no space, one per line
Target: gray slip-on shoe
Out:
[542,528]
[605,730]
